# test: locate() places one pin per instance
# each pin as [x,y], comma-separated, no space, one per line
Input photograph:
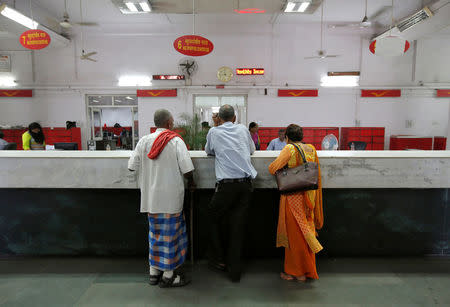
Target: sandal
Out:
[287,277]
[170,282]
[154,279]
[301,279]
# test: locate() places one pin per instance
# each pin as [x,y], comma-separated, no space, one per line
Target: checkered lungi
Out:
[168,240]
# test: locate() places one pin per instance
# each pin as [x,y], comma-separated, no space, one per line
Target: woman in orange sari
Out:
[300,213]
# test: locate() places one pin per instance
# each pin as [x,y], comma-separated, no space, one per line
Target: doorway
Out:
[114,118]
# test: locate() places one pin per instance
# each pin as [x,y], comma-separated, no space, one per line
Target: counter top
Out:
[118,154]
[340,169]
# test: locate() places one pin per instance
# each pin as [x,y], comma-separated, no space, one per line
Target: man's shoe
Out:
[170,282]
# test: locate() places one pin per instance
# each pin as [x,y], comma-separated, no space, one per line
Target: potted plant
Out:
[190,129]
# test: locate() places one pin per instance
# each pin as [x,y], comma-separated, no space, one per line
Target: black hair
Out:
[294,133]
[2,135]
[282,130]
[38,137]
[252,125]
[205,125]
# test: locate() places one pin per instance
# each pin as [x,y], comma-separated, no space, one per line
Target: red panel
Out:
[157,93]
[443,93]
[298,93]
[440,143]
[381,93]
[16,93]
[402,142]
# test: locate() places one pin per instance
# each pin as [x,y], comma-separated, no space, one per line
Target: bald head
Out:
[163,119]
[226,113]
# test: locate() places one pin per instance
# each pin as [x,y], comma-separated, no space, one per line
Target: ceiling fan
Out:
[321,54]
[366,22]
[65,22]
[84,55]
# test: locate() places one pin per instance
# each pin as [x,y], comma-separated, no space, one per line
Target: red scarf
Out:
[160,143]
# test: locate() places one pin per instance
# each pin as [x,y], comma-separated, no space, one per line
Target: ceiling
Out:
[104,11]
[215,15]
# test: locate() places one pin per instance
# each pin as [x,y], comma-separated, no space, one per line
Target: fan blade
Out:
[90,54]
[87,24]
[92,60]
[345,25]
[312,57]
[332,56]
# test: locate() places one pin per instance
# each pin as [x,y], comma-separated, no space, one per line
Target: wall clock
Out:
[224,74]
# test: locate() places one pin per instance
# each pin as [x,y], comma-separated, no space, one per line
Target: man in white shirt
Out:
[232,146]
[162,160]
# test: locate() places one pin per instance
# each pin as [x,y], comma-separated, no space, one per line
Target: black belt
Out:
[235,180]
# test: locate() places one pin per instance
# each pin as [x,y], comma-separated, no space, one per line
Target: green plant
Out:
[190,129]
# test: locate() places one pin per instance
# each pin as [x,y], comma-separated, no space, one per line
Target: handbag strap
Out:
[301,153]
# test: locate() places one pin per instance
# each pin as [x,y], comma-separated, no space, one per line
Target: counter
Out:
[376,203]
[340,169]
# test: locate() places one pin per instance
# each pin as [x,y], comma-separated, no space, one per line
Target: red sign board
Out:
[250,11]
[157,93]
[381,93]
[298,93]
[35,39]
[193,45]
[443,93]
[16,93]
[249,71]
[168,77]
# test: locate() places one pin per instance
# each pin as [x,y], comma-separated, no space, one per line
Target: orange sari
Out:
[300,215]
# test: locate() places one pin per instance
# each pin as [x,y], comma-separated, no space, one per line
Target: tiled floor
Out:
[123,282]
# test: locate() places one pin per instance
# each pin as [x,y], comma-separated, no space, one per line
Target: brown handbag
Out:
[301,178]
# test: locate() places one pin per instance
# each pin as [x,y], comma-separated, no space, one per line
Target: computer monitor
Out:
[66,146]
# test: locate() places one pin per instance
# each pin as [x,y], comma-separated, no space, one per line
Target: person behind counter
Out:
[34,138]
[3,143]
[300,213]
[253,128]
[279,142]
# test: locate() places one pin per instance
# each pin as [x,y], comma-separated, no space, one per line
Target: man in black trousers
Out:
[232,146]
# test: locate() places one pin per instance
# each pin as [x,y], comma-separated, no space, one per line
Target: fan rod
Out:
[392,18]
[193,17]
[321,26]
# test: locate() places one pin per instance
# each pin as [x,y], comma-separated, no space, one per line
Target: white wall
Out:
[280,52]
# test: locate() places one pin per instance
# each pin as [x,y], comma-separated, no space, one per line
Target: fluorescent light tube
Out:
[296,6]
[7,81]
[19,18]
[289,7]
[131,6]
[145,7]
[303,7]
[339,81]
[135,81]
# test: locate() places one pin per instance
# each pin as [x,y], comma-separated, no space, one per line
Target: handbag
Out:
[301,178]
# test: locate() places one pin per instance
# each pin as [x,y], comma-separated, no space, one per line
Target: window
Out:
[206,105]
[114,117]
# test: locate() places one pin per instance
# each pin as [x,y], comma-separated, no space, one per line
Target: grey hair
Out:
[226,112]
[161,117]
